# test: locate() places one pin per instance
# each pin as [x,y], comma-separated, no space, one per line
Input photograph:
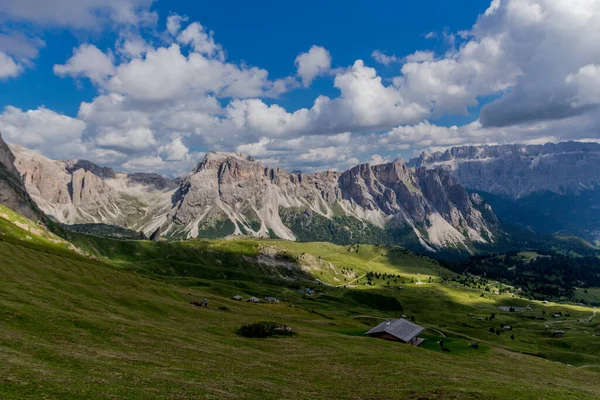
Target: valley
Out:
[114,319]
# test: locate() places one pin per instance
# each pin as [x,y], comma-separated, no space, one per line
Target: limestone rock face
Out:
[235,187]
[12,190]
[80,192]
[517,171]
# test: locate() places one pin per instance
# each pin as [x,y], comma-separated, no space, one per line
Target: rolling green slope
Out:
[117,325]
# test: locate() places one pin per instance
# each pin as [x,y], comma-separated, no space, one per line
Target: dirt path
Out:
[593,315]
[354,280]
[375,258]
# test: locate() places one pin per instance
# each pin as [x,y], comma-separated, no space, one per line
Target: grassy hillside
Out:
[121,326]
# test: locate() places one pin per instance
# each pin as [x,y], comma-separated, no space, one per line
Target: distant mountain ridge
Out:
[550,188]
[517,171]
[233,194]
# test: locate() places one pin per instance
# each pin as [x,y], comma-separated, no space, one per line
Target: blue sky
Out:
[281,81]
[269,34]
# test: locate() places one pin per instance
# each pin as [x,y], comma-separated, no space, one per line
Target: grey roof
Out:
[400,328]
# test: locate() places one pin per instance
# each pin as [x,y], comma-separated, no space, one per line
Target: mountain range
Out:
[460,199]
[233,194]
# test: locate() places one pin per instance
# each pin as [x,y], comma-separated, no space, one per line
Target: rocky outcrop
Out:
[12,190]
[517,171]
[155,237]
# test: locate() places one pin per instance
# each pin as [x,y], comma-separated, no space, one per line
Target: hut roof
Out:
[400,328]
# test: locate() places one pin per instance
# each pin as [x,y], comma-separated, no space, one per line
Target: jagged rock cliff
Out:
[231,193]
[80,192]
[12,190]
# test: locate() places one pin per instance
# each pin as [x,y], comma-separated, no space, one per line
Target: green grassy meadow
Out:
[115,322]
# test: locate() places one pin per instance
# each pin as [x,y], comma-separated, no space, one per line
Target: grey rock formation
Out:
[155,237]
[80,192]
[12,190]
[517,171]
[234,187]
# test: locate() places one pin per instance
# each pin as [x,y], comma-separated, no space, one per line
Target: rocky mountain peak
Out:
[102,172]
[215,159]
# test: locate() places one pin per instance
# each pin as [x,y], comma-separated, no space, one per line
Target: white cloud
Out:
[42,129]
[20,46]
[521,50]
[384,59]
[376,159]
[315,62]
[88,61]
[201,41]
[145,164]
[80,13]
[174,23]
[586,83]
[165,74]
[174,151]
[8,67]
[364,103]
[416,57]
[420,56]
[131,46]
[136,138]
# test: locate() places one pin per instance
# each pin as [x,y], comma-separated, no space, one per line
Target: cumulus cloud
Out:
[201,41]
[520,50]
[8,67]
[78,14]
[416,57]
[23,47]
[87,61]
[384,59]
[315,62]
[174,23]
[586,84]
[174,151]
[420,56]
[364,103]
[42,129]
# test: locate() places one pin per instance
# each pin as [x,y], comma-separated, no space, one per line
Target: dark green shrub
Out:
[265,329]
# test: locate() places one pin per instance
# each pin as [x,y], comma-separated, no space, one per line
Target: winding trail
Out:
[593,315]
[375,258]
[354,280]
